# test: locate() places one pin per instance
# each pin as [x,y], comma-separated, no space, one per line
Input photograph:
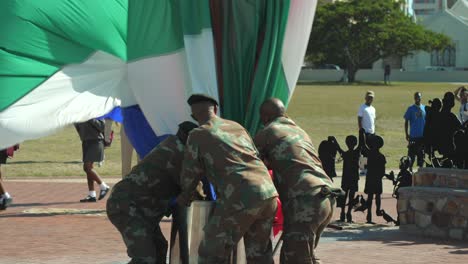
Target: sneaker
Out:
[103,193]
[88,199]
[3,205]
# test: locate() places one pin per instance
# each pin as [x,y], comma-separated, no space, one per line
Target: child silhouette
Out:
[350,177]
[375,172]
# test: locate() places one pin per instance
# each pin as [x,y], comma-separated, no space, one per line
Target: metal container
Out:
[187,234]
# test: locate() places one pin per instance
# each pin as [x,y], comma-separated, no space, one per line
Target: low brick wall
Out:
[436,205]
[443,178]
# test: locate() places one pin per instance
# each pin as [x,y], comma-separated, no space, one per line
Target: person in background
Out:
[375,173]
[366,121]
[461,95]
[91,134]
[5,197]
[327,151]
[350,176]
[387,72]
[415,116]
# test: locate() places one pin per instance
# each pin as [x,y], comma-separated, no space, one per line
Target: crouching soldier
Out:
[139,201]
[304,188]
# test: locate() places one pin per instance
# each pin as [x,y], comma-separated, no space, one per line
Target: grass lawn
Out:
[322,109]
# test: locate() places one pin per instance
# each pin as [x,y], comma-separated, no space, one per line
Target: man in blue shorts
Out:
[415,116]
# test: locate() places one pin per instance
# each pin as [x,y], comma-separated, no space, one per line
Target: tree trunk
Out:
[352,74]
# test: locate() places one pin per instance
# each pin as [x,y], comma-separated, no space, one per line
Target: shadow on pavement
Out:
[391,236]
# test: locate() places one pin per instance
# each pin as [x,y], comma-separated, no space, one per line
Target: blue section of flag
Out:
[115,114]
[139,131]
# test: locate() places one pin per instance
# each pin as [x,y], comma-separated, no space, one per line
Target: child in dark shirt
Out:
[375,172]
[350,177]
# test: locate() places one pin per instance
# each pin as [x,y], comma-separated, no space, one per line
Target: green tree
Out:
[356,33]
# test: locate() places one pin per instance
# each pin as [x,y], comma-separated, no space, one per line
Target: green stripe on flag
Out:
[195,16]
[154,28]
[247,85]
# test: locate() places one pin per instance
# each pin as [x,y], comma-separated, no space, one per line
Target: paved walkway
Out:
[47,224]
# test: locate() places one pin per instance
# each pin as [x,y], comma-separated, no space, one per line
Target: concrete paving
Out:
[47,224]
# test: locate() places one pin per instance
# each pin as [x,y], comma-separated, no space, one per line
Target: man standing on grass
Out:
[223,151]
[415,115]
[366,121]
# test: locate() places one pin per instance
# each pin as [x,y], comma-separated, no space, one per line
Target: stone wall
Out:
[436,205]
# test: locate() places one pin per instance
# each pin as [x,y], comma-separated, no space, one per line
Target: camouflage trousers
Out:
[305,218]
[137,219]
[226,228]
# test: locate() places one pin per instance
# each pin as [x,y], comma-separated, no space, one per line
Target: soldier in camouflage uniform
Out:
[302,184]
[223,151]
[139,201]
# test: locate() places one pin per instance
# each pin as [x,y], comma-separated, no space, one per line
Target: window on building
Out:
[445,57]
[424,1]
[424,11]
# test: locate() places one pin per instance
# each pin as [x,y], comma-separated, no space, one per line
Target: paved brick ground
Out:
[47,224]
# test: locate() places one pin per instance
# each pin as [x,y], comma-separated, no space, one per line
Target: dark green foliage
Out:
[356,33]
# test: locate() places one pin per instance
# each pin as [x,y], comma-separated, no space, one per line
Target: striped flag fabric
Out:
[67,61]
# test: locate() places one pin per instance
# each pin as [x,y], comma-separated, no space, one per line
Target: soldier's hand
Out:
[200,192]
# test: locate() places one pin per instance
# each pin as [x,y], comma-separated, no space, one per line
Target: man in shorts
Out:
[92,138]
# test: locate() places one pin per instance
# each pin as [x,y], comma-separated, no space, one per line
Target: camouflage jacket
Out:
[223,151]
[289,152]
[157,175]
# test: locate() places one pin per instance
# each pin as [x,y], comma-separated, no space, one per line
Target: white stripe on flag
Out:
[298,28]
[77,93]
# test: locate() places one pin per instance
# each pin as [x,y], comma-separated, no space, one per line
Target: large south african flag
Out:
[66,61]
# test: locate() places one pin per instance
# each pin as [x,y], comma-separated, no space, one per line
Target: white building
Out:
[425,8]
[452,20]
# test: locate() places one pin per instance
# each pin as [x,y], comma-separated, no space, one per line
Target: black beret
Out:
[187,126]
[197,98]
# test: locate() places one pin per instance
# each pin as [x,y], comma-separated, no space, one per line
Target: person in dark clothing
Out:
[375,172]
[449,124]
[350,177]
[387,71]
[91,134]
[460,157]
[431,129]
[327,154]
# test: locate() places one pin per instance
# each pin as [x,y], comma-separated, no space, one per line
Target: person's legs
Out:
[349,217]
[2,189]
[92,176]
[304,220]
[226,227]
[420,152]
[378,202]
[5,198]
[370,197]
[257,241]
[138,223]
[343,205]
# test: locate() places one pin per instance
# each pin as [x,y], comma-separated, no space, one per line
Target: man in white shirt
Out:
[366,114]
[461,94]
[366,121]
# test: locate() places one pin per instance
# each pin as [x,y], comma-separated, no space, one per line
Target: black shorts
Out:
[93,150]
[3,156]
